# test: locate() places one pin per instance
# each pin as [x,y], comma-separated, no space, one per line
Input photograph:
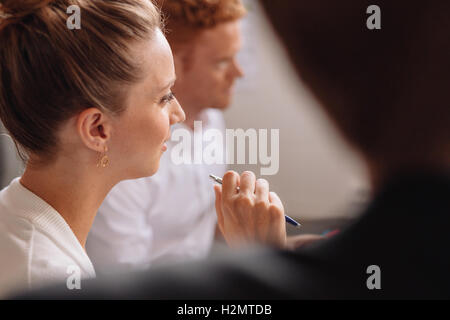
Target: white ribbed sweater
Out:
[37,246]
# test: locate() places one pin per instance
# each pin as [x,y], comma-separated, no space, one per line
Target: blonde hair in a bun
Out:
[49,73]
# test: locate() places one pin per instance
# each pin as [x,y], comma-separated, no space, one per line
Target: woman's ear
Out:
[94,128]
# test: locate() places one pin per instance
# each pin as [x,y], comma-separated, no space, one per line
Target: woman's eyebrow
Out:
[170,84]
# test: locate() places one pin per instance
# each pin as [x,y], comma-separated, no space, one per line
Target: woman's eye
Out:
[167,98]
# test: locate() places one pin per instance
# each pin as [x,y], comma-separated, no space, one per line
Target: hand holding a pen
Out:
[247,212]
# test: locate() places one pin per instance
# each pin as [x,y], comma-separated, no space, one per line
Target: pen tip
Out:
[216,178]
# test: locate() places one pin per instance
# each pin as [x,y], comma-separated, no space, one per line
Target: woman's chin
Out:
[144,172]
[151,171]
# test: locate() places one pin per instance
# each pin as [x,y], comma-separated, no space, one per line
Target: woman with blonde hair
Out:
[88,108]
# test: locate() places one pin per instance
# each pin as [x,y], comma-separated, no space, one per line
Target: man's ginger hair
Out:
[185,19]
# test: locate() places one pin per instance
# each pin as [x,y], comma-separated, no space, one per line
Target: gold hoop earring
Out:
[103,160]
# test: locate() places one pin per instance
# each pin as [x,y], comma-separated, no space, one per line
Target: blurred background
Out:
[321,181]
[10,163]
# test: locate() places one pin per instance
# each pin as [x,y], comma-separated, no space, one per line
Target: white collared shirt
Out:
[37,246]
[169,217]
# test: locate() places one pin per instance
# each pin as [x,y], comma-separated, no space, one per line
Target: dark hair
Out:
[49,73]
[388,90]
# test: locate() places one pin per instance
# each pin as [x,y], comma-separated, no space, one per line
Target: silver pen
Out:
[287,218]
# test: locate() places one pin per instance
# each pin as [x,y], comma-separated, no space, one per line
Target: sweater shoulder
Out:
[16,246]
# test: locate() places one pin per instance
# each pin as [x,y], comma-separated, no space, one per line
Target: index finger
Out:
[230,183]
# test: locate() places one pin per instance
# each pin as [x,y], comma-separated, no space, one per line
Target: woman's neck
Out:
[75,192]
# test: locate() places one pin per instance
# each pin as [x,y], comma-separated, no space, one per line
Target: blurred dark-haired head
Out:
[388,89]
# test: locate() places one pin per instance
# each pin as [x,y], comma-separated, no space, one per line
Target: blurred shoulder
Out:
[213,118]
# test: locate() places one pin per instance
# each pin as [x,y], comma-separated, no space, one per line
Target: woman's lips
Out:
[164,147]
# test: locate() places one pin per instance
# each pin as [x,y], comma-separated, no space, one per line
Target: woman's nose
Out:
[177,114]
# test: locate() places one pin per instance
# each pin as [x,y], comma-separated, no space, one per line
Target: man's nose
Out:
[238,72]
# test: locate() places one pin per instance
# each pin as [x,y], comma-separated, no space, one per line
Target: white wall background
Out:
[319,177]
[10,163]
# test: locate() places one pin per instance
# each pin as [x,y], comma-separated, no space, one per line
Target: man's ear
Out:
[94,128]
[183,60]
[179,65]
